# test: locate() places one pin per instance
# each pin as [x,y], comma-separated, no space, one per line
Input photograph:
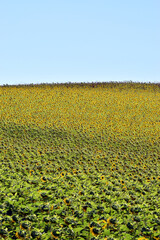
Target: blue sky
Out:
[79,41]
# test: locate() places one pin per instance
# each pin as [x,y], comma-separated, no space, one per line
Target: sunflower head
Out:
[43,179]
[148,179]
[62,174]
[31,171]
[81,193]
[21,234]
[104,224]
[124,188]
[51,207]
[67,201]
[85,208]
[17,235]
[108,221]
[156,238]
[55,234]
[102,177]
[94,231]
[122,182]
[142,238]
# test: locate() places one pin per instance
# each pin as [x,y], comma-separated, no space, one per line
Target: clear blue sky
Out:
[79,41]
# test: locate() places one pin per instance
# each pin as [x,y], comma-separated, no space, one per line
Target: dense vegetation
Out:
[80,161]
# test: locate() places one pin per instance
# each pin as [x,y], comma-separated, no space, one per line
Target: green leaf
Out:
[107,232]
[78,229]
[21,200]
[123,228]
[128,236]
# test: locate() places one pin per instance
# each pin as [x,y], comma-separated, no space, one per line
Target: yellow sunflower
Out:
[67,201]
[156,238]
[43,179]
[148,179]
[102,177]
[85,208]
[108,221]
[17,235]
[62,174]
[51,208]
[31,172]
[105,224]
[142,238]
[122,182]
[54,237]
[94,231]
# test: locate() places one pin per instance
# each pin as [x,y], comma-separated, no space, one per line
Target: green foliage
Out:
[71,185]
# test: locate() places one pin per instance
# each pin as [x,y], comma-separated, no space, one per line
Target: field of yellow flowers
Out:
[80,161]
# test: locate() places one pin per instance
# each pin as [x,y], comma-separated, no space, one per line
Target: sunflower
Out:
[108,221]
[67,201]
[17,235]
[122,182]
[134,176]
[14,219]
[81,193]
[74,171]
[56,236]
[102,177]
[85,208]
[62,174]
[148,179]
[51,208]
[94,231]
[105,224]
[24,226]
[142,238]
[31,172]
[43,179]
[124,187]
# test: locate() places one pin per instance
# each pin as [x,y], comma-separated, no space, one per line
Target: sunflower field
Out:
[80,161]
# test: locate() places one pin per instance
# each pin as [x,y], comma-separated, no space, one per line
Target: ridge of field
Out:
[80,162]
